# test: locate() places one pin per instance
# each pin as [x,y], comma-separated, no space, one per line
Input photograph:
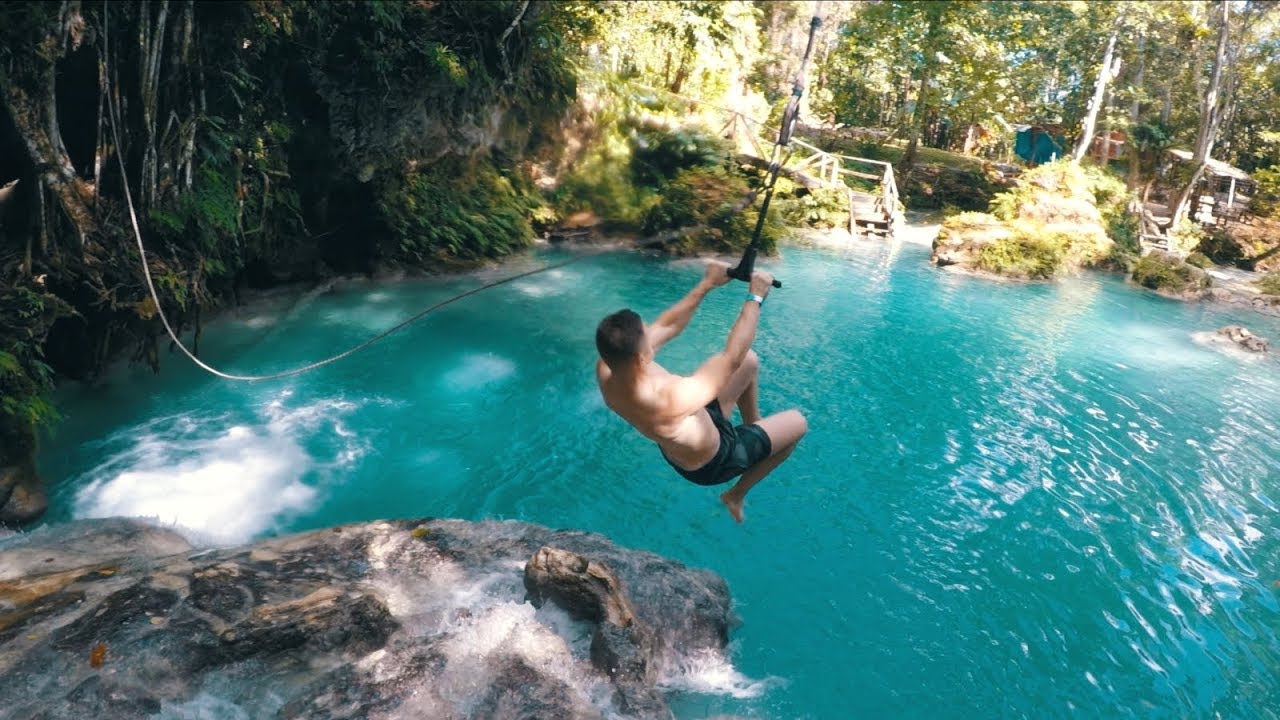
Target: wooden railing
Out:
[830,169]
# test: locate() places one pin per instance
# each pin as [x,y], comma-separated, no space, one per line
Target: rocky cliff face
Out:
[430,619]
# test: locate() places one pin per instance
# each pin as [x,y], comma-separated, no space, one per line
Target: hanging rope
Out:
[742,272]
[164,320]
[747,264]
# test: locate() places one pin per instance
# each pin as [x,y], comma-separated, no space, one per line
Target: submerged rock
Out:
[1243,338]
[121,618]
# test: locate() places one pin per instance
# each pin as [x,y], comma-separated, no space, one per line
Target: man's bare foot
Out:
[733,504]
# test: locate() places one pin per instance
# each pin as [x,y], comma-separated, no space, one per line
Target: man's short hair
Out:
[620,337]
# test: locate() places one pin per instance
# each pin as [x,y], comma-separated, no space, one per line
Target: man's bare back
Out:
[688,416]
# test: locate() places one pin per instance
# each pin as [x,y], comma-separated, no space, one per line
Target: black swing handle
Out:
[746,266]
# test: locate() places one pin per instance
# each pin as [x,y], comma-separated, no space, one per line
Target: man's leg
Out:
[742,390]
[784,430]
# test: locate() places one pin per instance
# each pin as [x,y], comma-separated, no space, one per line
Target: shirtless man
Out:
[688,417]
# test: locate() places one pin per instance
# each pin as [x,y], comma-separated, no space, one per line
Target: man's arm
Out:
[675,318]
[689,394]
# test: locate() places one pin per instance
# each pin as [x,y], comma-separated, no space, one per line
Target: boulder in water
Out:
[622,646]
[1242,337]
[121,618]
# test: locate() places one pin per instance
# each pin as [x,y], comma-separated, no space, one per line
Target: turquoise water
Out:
[1014,501]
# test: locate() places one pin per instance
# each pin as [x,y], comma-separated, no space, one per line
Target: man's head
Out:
[621,340]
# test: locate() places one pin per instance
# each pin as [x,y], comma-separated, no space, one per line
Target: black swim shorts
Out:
[740,448]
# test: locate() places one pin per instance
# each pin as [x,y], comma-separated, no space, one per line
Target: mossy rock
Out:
[1050,223]
[962,237]
[1200,260]
[1269,284]
[1170,275]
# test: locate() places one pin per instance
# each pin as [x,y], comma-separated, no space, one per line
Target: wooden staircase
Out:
[873,214]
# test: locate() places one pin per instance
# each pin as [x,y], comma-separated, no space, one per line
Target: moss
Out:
[1269,284]
[1161,271]
[1200,260]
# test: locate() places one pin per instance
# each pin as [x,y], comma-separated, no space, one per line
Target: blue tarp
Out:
[1038,145]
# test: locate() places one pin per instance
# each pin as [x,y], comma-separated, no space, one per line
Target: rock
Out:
[1170,276]
[1243,338]
[961,238]
[22,496]
[120,618]
[85,543]
[1263,304]
[622,647]
[585,589]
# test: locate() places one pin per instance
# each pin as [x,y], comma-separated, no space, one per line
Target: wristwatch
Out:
[759,300]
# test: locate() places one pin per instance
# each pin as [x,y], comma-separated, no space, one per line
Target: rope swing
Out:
[746,265]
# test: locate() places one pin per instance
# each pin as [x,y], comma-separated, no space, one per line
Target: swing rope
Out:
[742,272]
[746,265]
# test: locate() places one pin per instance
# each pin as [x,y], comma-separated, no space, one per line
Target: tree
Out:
[1105,72]
[1210,116]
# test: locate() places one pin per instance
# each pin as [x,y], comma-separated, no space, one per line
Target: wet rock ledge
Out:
[429,619]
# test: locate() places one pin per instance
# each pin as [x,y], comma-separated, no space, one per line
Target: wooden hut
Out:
[1223,193]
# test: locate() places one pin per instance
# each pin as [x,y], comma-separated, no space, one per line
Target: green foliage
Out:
[1150,136]
[1113,197]
[1266,201]
[25,380]
[458,208]
[1033,256]
[1218,245]
[703,200]
[1199,260]
[1269,284]
[659,154]
[1160,271]
[823,208]
[1185,237]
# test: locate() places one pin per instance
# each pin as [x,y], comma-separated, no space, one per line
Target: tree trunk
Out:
[29,98]
[1135,112]
[1099,92]
[151,44]
[1210,116]
[922,99]
[1231,94]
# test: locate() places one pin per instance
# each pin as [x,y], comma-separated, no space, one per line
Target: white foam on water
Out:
[547,284]
[221,483]
[709,672]
[511,630]
[260,321]
[1214,341]
[204,706]
[476,371]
